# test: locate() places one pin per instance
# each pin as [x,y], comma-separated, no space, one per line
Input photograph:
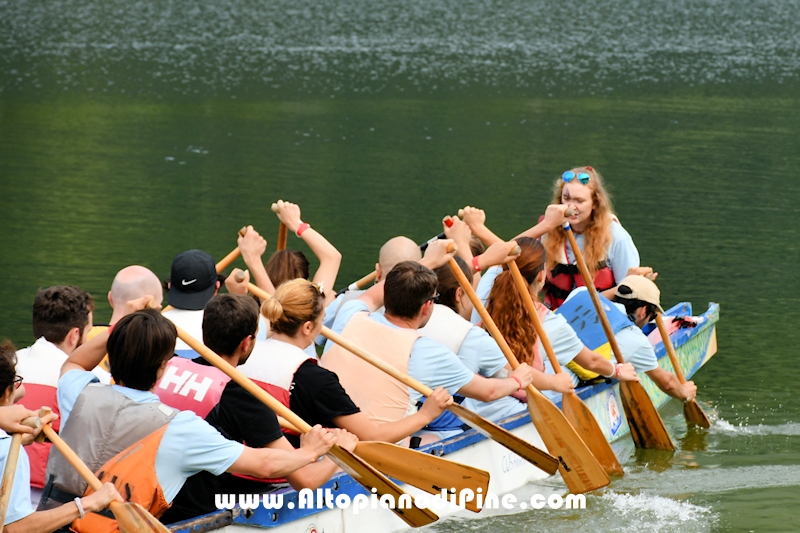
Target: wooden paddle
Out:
[524,449]
[647,428]
[430,473]
[11,469]
[579,468]
[530,453]
[576,412]
[692,412]
[359,469]
[130,517]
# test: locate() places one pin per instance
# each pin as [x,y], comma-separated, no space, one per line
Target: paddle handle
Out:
[283,231]
[363,282]
[527,301]
[8,476]
[662,328]
[589,282]
[231,257]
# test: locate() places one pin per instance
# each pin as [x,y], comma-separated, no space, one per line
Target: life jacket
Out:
[446,327]
[102,424]
[580,313]
[563,278]
[133,473]
[188,386]
[40,366]
[381,397]
[272,365]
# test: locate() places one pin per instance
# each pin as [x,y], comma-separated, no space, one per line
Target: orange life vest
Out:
[133,473]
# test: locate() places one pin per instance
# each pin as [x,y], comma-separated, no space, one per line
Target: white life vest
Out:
[446,327]
[272,365]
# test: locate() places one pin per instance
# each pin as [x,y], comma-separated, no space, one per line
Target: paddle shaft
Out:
[589,282]
[8,476]
[647,427]
[580,469]
[692,410]
[577,413]
[527,301]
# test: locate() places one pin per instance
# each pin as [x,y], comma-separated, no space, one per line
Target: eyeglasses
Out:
[568,176]
[17,382]
[434,298]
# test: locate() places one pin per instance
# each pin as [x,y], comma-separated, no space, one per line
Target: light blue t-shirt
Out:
[480,353]
[189,445]
[19,503]
[430,363]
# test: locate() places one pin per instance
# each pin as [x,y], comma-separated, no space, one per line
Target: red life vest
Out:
[272,366]
[187,386]
[563,279]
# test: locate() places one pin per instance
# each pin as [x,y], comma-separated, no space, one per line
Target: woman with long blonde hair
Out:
[281,367]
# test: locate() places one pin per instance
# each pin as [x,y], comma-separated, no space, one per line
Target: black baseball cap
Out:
[193,280]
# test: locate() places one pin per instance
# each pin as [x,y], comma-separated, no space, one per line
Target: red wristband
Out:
[301,228]
[519,381]
[475,264]
[618,371]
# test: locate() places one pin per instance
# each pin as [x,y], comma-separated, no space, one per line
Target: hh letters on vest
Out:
[188,386]
[381,397]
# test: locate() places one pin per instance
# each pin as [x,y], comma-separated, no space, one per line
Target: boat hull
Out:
[694,347]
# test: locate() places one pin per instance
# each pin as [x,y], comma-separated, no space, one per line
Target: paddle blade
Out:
[694,414]
[524,449]
[580,416]
[647,428]
[579,468]
[424,471]
[133,518]
[370,478]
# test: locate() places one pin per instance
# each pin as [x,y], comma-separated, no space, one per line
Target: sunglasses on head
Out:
[434,298]
[569,175]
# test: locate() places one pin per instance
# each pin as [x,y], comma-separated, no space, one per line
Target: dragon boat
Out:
[694,347]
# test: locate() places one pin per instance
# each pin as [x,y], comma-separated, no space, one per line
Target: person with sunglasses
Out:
[281,366]
[20,516]
[607,247]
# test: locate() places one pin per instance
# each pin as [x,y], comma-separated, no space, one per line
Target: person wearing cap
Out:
[641,300]
[636,301]
[193,282]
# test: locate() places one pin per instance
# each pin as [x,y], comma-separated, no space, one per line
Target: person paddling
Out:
[229,329]
[20,517]
[282,367]
[143,446]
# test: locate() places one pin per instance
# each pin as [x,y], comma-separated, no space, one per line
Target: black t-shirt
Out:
[317,397]
[238,416]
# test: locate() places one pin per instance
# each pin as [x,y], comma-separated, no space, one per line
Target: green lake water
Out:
[131,131]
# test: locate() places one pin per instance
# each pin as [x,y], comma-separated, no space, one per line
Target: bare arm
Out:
[48,521]
[556,382]
[269,462]
[329,257]
[490,389]
[253,246]
[597,363]
[667,382]
[553,218]
[361,425]
[476,220]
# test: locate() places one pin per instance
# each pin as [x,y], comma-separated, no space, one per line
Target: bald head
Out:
[131,283]
[396,251]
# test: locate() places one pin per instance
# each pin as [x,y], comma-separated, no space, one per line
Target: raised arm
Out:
[554,217]
[329,257]
[253,245]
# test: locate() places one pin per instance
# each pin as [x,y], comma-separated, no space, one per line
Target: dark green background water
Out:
[131,131]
